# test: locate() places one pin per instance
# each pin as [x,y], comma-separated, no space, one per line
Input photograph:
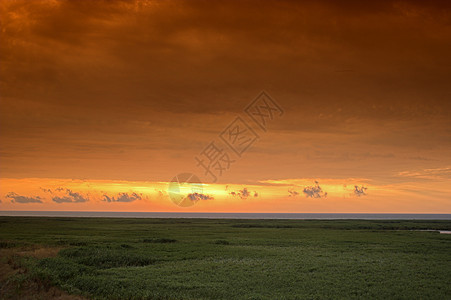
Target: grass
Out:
[234,259]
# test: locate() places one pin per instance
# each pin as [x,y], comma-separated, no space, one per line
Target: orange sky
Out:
[104,102]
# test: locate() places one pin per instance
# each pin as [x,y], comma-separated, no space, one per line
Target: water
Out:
[298,216]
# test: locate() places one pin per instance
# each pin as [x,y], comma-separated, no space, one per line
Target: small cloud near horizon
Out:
[199,196]
[70,197]
[314,191]
[360,191]
[15,198]
[244,193]
[122,197]
[293,193]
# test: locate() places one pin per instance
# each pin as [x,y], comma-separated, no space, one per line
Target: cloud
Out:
[46,190]
[235,50]
[23,199]
[360,191]
[122,197]
[293,193]
[434,174]
[70,197]
[63,199]
[197,197]
[314,191]
[76,196]
[244,193]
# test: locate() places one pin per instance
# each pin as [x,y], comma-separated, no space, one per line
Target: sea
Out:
[208,215]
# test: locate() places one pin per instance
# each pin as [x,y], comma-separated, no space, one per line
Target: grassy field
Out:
[228,259]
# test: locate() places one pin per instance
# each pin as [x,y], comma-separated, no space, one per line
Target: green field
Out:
[229,259]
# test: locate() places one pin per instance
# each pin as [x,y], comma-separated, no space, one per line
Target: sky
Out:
[268,106]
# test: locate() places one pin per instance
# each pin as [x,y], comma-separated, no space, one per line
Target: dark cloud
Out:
[360,191]
[23,199]
[292,193]
[233,39]
[161,68]
[122,197]
[63,199]
[199,196]
[76,196]
[244,193]
[69,197]
[314,191]
[46,190]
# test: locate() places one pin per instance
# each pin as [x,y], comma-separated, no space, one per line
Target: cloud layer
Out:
[133,90]
[337,70]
